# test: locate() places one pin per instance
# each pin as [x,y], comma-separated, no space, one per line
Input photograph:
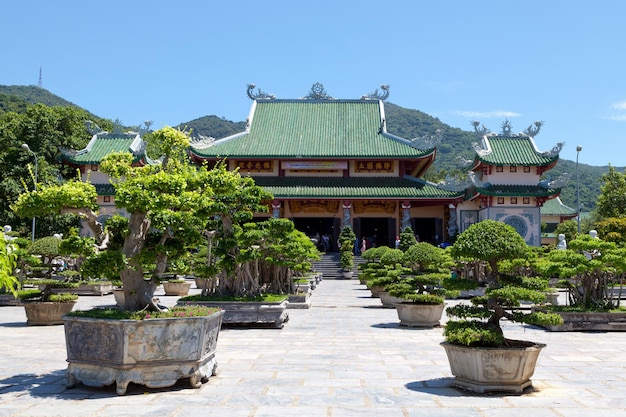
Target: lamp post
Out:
[578,149]
[25,146]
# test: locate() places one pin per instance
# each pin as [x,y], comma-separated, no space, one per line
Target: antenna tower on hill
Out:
[40,79]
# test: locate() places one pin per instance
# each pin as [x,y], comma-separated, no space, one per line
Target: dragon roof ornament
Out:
[461,162]
[555,151]
[259,95]
[557,183]
[482,152]
[427,141]
[376,95]
[455,183]
[476,181]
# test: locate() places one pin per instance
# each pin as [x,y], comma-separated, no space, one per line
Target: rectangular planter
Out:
[250,313]
[152,352]
[87,289]
[591,321]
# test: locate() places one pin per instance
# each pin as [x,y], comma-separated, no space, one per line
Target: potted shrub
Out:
[423,291]
[42,306]
[256,270]
[392,272]
[481,358]
[347,240]
[170,202]
[591,272]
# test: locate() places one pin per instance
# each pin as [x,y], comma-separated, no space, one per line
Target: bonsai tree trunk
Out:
[138,292]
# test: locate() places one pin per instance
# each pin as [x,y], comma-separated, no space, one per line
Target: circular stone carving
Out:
[518,224]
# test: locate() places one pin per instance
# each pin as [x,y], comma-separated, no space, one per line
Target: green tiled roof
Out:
[555,207]
[105,189]
[351,187]
[517,191]
[519,150]
[100,146]
[313,129]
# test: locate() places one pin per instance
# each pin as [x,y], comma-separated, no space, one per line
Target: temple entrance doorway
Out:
[429,229]
[378,231]
[316,228]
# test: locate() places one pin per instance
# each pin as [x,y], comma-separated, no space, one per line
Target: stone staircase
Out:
[330,268]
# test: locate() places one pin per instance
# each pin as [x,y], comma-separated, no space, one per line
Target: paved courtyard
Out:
[345,356]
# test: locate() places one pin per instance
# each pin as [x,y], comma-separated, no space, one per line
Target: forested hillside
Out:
[403,122]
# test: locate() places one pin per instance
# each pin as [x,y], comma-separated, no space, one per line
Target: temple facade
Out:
[331,163]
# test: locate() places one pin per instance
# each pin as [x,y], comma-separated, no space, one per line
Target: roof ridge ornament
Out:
[506,127]
[93,128]
[462,163]
[260,95]
[455,183]
[479,129]
[427,141]
[557,183]
[556,149]
[476,181]
[482,152]
[376,95]
[533,131]
[318,93]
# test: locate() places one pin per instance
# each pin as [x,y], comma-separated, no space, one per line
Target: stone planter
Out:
[552,298]
[118,294]
[376,291]
[299,300]
[389,301]
[589,321]
[419,315]
[347,274]
[86,289]
[176,288]
[46,313]
[154,352]
[250,313]
[482,369]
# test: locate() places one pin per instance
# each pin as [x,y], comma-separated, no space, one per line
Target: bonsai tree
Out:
[170,199]
[346,248]
[588,269]
[407,239]
[429,280]
[392,270]
[479,325]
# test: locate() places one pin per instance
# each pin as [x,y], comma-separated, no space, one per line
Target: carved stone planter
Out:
[482,369]
[153,352]
[250,313]
[46,313]
[376,291]
[419,315]
[389,301]
[176,288]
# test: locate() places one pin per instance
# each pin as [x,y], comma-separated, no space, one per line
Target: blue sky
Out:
[561,62]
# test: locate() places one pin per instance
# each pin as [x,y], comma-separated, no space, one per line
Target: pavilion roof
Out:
[354,188]
[324,129]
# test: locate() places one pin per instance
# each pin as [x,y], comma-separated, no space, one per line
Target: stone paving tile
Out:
[345,356]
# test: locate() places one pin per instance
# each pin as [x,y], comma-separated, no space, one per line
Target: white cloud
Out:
[617,117]
[619,106]
[488,114]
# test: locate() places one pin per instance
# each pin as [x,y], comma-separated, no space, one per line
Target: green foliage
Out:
[612,199]
[472,333]
[119,314]
[407,239]
[63,298]
[8,263]
[490,241]
[106,265]
[266,298]
[46,246]
[569,228]
[346,248]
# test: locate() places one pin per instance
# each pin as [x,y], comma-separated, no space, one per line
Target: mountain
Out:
[403,122]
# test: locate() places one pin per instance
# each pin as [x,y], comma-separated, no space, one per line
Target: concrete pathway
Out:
[345,356]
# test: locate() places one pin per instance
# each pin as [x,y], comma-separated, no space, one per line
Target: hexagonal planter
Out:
[487,369]
[419,315]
